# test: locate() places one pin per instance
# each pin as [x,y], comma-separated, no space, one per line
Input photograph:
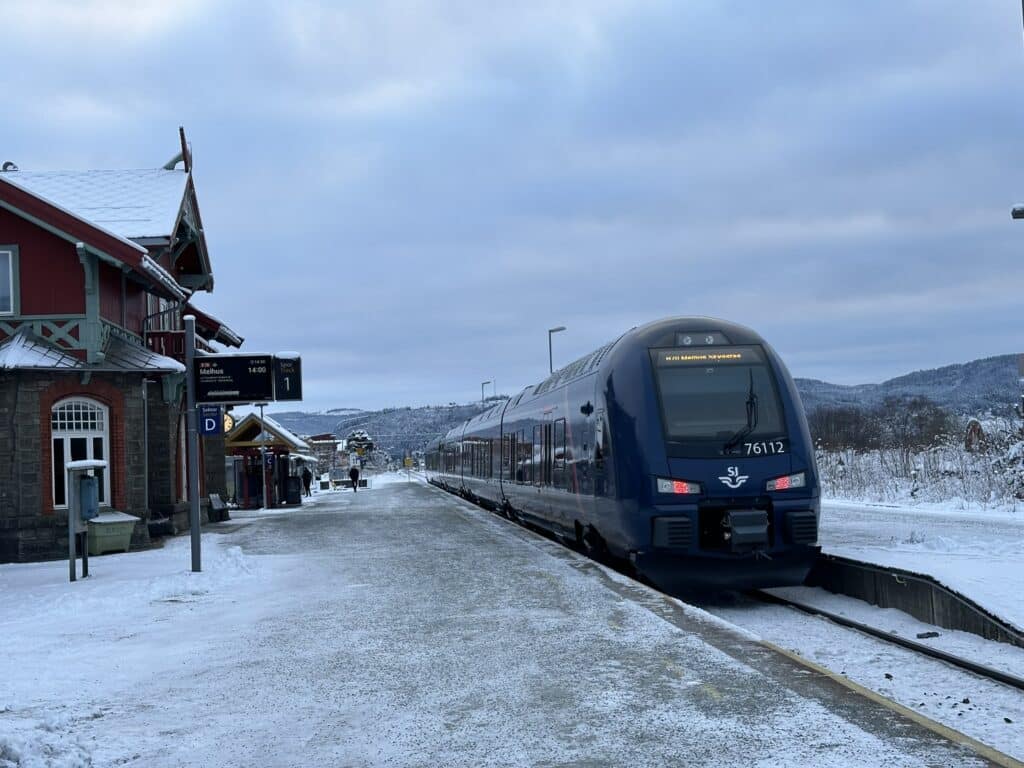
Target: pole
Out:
[145,443]
[69,496]
[193,442]
[263,455]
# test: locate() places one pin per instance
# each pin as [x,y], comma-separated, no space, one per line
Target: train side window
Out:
[599,442]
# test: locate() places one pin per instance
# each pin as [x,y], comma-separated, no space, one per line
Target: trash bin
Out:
[111,532]
[293,492]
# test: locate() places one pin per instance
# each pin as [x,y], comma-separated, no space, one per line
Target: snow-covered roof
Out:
[24,350]
[164,277]
[132,204]
[274,431]
[287,435]
[214,329]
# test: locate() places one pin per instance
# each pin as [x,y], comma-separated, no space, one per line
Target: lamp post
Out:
[482,383]
[552,331]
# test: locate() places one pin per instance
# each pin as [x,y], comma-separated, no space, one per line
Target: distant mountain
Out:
[968,389]
[982,386]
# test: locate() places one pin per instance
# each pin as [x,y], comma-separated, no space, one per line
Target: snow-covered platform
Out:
[979,553]
[400,626]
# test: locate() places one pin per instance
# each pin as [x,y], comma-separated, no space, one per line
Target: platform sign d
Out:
[211,421]
[287,377]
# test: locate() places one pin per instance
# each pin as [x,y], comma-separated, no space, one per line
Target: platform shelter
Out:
[253,443]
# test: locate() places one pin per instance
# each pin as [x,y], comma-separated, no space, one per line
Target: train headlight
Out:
[787,483]
[677,486]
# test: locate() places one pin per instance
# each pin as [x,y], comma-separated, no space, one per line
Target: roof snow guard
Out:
[26,351]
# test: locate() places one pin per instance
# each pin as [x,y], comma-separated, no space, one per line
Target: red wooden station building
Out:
[97,270]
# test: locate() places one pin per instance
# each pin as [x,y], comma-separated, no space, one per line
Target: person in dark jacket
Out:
[307,480]
[353,475]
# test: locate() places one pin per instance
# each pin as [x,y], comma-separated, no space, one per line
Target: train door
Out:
[558,456]
[537,458]
[602,448]
[547,462]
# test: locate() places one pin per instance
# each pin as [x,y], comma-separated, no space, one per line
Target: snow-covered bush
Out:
[990,472]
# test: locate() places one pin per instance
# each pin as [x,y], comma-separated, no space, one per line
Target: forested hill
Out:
[982,386]
[975,388]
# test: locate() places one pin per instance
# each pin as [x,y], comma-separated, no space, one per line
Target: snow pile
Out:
[136,618]
[29,743]
[40,591]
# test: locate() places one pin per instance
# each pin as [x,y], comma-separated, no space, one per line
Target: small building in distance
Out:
[325,448]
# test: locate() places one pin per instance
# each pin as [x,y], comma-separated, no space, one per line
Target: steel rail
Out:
[957,661]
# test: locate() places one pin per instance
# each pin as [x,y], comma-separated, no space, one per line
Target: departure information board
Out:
[234,378]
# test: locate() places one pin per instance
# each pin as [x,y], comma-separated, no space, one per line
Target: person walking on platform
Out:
[353,475]
[307,480]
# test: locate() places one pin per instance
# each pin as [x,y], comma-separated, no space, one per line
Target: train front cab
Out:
[723,492]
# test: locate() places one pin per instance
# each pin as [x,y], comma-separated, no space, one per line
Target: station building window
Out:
[80,429]
[8,280]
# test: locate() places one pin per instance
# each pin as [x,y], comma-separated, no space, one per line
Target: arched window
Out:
[79,429]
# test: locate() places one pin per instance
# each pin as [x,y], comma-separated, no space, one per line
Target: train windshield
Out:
[719,401]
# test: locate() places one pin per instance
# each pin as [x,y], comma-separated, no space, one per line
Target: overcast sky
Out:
[411,193]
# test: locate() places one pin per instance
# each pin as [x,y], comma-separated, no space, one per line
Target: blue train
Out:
[681,447]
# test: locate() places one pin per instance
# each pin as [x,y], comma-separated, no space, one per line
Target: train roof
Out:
[659,333]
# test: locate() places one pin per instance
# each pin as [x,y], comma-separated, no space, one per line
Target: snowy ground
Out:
[977,552]
[402,627]
[987,711]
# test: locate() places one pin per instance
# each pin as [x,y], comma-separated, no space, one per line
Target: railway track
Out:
[974,667]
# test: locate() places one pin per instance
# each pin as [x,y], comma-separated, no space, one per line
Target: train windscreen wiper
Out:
[751,418]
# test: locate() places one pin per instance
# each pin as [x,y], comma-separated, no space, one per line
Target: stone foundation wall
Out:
[30,527]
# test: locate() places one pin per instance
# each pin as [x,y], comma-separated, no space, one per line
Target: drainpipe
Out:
[145,442]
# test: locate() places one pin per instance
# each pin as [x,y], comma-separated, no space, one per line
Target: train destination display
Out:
[707,356]
[234,378]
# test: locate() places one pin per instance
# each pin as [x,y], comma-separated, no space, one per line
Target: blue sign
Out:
[211,422]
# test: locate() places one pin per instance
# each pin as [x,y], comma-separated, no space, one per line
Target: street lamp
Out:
[482,383]
[551,331]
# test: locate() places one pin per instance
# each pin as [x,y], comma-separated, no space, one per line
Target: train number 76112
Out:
[765,447]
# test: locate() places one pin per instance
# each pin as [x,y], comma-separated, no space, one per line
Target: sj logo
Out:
[733,479]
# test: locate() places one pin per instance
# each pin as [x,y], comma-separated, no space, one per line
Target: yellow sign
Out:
[408,461]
